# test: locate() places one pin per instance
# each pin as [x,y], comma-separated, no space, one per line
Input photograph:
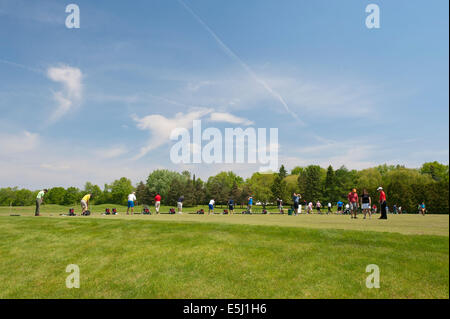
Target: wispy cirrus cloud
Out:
[225,117]
[71,94]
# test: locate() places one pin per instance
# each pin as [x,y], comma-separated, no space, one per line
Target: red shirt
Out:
[352,197]
[382,196]
[157,198]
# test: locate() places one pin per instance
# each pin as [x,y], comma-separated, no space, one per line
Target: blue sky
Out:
[72,99]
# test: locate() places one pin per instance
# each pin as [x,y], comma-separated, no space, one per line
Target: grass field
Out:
[220,256]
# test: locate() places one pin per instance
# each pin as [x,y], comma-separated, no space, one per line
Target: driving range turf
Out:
[220,256]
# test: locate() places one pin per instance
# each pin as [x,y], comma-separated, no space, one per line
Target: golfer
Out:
[329,208]
[250,204]
[340,206]
[383,203]
[353,201]
[180,204]
[422,208]
[296,199]
[131,200]
[231,206]
[85,202]
[366,202]
[39,201]
[157,202]
[211,206]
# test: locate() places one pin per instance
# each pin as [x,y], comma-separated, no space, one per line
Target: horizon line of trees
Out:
[404,187]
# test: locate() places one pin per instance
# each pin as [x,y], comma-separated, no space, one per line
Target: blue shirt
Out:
[250,201]
[340,203]
[296,199]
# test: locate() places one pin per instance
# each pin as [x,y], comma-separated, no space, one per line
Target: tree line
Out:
[404,187]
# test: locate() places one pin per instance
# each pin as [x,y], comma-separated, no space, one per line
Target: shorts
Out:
[365,206]
[180,205]
[296,205]
[230,207]
[157,205]
[83,204]
[353,206]
[339,207]
[211,207]
[130,204]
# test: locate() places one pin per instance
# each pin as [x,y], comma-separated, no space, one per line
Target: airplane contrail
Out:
[247,68]
[20,66]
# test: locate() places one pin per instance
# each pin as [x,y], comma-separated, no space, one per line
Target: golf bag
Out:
[225,211]
[114,211]
[246,212]
[201,212]
[146,211]
[107,211]
[71,212]
[282,211]
[172,211]
[86,213]
[264,212]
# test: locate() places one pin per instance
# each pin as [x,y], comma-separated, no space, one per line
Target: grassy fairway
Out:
[220,257]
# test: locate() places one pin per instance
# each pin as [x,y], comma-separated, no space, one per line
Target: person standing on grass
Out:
[318,207]
[310,208]
[85,202]
[131,200]
[383,203]
[231,206]
[422,208]
[296,199]
[157,202]
[329,208]
[211,206]
[366,202]
[280,204]
[180,204]
[353,201]
[250,204]
[40,201]
[340,206]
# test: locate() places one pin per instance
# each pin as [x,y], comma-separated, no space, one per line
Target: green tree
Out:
[279,186]
[143,194]
[72,196]
[120,189]
[56,195]
[160,181]
[438,172]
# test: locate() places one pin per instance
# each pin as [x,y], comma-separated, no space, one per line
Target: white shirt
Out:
[131,197]
[329,204]
[211,202]
[347,206]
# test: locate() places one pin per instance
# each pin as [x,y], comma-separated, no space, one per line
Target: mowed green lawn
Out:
[195,256]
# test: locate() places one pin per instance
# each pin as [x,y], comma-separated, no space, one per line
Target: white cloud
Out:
[23,142]
[112,152]
[228,118]
[71,95]
[160,127]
